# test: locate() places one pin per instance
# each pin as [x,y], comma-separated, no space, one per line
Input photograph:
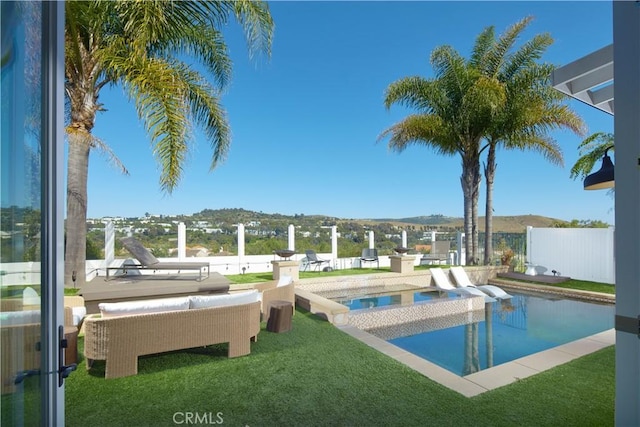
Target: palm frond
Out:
[482,46]
[540,143]
[497,56]
[159,95]
[420,129]
[255,18]
[207,111]
[526,55]
[203,43]
[105,150]
[409,92]
[591,151]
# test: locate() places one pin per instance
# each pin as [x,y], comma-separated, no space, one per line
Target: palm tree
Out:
[455,110]
[532,108]
[497,96]
[142,46]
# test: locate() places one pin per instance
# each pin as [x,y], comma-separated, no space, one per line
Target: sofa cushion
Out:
[13,318]
[78,314]
[237,298]
[128,308]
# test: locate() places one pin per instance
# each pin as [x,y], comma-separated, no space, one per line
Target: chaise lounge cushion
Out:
[238,298]
[128,308]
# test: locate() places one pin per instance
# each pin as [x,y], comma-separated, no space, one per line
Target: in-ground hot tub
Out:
[401,303]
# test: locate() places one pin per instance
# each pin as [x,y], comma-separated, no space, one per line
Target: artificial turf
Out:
[315,375]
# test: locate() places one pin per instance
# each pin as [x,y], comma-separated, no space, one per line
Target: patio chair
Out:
[313,260]
[463,281]
[443,284]
[149,262]
[369,255]
[439,253]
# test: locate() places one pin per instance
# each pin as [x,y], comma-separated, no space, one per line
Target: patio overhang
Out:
[588,79]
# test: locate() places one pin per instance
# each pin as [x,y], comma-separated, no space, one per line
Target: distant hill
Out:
[508,224]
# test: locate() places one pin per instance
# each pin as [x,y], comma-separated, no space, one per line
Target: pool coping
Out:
[491,378]
[503,374]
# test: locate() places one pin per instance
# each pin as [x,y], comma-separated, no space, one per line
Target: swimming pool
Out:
[509,330]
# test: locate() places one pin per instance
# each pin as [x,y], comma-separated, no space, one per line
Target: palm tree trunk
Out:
[76,224]
[470,181]
[467,191]
[474,216]
[489,175]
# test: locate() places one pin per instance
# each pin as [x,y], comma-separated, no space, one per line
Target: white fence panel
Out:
[580,253]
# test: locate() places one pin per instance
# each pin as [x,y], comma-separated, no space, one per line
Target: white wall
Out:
[579,253]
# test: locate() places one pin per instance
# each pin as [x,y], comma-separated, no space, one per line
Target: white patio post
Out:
[626,57]
[240,240]
[460,244]
[109,243]
[240,246]
[372,242]
[182,241]
[292,237]
[404,238]
[334,244]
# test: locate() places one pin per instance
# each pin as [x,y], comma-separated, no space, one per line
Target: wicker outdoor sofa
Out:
[125,330]
[120,340]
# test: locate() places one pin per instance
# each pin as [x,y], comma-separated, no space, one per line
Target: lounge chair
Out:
[313,260]
[149,262]
[443,284]
[463,281]
[369,255]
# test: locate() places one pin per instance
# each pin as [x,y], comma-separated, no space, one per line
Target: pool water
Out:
[365,302]
[525,325]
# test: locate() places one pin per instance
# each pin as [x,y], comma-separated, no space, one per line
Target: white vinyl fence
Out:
[579,253]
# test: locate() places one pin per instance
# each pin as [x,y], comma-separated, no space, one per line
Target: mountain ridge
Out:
[510,223]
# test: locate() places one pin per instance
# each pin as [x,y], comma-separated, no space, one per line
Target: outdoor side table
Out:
[280,314]
[71,352]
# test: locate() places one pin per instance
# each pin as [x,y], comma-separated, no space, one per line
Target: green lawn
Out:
[268,275]
[584,285]
[315,375]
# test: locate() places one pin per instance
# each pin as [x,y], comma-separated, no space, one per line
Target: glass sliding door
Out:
[30,291]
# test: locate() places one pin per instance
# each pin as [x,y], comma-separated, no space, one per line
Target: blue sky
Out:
[305,122]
